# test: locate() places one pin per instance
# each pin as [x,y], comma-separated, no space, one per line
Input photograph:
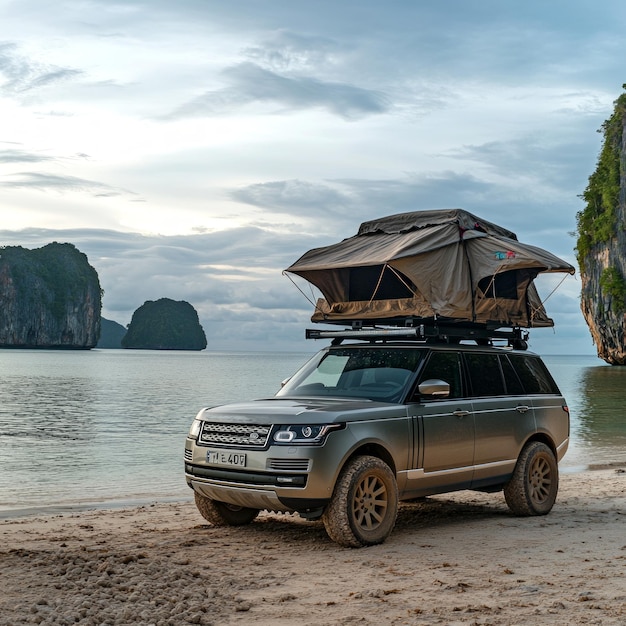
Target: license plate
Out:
[223,457]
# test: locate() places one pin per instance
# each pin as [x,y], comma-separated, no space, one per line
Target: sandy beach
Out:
[454,559]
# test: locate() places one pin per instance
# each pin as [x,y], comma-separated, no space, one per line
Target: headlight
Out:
[307,434]
[194,431]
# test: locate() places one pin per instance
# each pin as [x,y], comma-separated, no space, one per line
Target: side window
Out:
[485,374]
[534,374]
[513,384]
[445,366]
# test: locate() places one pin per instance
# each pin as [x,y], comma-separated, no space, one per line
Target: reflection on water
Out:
[596,395]
[602,410]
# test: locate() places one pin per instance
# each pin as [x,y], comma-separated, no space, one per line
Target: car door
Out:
[445,427]
[503,416]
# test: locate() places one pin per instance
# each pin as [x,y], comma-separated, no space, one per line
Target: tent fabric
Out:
[405,222]
[446,264]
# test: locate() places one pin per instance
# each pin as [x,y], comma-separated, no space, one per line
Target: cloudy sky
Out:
[194,149]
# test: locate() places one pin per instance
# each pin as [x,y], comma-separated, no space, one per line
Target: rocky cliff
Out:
[601,244]
[111,334]
[165,325]
[50,297]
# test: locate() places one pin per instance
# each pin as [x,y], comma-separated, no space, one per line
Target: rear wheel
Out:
[222,513]
[534,485]
[364,505]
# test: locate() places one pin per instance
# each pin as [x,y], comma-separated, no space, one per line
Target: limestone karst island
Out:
[601,243]
[50,297]
[165,325]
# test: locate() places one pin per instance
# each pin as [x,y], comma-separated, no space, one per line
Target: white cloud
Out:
[179,144]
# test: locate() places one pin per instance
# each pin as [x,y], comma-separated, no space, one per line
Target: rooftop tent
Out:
[444,264]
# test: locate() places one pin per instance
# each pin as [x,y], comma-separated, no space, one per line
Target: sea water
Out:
[94,426]
[82,428]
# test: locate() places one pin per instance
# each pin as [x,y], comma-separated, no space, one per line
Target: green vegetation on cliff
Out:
[165,325]
[111,334]
[56,273]
[597,222]
[614,287]
[600,227]
[49,297]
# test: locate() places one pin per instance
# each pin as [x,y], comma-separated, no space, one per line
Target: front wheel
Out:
[364,505]
[222,513]
[535,482]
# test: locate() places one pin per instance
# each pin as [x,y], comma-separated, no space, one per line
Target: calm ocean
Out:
[108,426]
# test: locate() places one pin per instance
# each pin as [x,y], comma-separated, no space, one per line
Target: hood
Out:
[297,410]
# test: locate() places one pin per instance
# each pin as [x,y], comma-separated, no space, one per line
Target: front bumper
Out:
[240,496]
[279,478]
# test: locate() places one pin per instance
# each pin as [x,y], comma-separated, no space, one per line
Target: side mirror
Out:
[435,388]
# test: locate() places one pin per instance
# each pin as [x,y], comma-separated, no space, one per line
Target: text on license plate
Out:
[223,457]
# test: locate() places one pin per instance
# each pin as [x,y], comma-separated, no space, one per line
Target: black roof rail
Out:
[427,333]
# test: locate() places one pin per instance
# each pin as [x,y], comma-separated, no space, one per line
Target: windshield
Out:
[374,373]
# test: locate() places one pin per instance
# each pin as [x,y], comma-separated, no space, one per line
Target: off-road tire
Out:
[364,505]
[223,514]
[534,485]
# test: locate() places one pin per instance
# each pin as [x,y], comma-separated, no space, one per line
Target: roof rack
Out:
[431,332]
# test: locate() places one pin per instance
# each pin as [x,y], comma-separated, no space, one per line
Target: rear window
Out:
[513,384]
[534,375]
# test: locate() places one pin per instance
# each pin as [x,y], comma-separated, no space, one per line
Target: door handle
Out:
[460,413]
[522,408]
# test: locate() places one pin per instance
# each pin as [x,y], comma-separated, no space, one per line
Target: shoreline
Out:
[82,507]
[458,558]
[60,508]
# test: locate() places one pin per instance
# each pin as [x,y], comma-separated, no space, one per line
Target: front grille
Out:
[240,435]
[290,465]
[188,455]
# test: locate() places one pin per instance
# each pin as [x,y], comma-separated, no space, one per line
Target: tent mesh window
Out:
[503,285]
[378,282]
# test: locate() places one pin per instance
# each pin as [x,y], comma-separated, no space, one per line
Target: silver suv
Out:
[366,424]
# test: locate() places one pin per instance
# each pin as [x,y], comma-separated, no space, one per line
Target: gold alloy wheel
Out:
[540,480]
[370,502]
[364,505]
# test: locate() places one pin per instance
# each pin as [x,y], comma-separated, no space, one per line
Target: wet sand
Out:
[454,559]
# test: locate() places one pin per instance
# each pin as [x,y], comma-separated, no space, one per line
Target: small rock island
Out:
[165,324]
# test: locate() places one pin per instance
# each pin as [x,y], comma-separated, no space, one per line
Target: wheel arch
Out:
[372,448]
[543,438]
